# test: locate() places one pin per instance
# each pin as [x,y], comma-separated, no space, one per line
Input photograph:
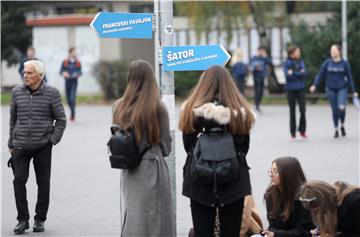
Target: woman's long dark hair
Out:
[281,198]
[141,107]
[216,83]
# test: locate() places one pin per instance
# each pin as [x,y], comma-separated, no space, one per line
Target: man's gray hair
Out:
[38,65]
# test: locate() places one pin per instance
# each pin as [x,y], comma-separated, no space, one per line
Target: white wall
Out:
[52,44]
[88,50]
[9,75]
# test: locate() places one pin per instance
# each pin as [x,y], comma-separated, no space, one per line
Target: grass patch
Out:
[5,98]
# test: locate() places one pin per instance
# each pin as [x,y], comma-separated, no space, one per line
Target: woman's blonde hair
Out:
[216,84]
[323,205]
[342,190]
[237,56]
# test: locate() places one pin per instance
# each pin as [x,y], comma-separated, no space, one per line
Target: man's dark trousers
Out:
[42,165]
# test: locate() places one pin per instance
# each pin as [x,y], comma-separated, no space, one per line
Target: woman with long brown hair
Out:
[286,215]
[335,209]
[216,103]
[146,203]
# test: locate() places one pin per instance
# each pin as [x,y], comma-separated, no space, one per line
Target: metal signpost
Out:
[164,35]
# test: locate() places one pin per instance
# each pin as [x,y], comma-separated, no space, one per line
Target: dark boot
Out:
[336,135]
[343,133]
[21,227]
[39,226]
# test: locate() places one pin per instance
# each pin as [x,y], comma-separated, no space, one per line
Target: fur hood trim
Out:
[218,113]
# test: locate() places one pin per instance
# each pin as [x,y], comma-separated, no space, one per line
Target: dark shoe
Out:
[21,227]
[336,135]
[303,135]
[343,133]
[38,226]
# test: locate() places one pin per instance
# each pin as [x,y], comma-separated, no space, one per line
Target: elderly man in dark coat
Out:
[37,122]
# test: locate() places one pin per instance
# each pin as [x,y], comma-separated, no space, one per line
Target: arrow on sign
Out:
[192,58]
[123,25]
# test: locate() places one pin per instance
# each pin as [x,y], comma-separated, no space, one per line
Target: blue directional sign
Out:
[192,58]
[123,25]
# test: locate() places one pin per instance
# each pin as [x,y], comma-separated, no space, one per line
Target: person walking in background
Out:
[30,55]
[259,65]
[295,74]
[337,73]
[71,71]
[286,215]
[335,209]
[34,108]
[215,106]
[239,70]
[145,195]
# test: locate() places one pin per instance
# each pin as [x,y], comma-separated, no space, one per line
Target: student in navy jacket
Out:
[239,71]
[259,65]
[337,74]
[71,70]
[295,74]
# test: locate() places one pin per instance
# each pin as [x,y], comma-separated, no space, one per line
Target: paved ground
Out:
[85,191]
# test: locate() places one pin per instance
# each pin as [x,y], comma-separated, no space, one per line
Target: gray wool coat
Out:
[145,195]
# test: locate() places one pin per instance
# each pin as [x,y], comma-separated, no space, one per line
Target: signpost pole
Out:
[164,37]
[344,28]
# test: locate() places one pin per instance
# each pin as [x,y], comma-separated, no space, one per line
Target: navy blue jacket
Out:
[259,66]
[239,71]
[296,80]
[73,67]
[336,74]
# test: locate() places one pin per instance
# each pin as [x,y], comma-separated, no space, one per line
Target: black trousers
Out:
[230,219]
[294,96]
[259,90]
[42,165]
[240,83]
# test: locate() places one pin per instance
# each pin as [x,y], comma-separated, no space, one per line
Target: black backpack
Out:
[214,159]
[123,149]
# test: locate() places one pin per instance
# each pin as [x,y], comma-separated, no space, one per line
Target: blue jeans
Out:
[70,88]
[337,99]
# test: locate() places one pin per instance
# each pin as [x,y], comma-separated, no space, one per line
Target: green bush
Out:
[112,77]
[185,81]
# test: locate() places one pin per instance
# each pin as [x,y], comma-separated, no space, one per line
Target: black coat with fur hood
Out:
[207,116]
